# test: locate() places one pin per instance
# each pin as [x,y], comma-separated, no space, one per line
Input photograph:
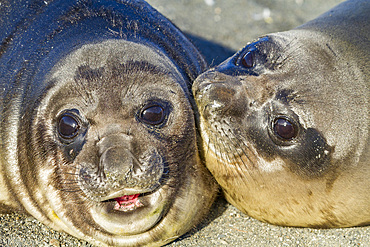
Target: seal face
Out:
[285,123]
[97,126]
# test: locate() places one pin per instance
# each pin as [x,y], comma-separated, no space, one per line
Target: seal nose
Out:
[122,168]
[203,82]
[213,86]
[117,160]
[216,92]
[118,163]
[115,155]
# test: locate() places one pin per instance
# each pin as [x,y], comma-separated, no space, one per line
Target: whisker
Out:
[69,165]
[241,140]
[77,89]
[218,152]
[235,167]
[68,173]
[240,158]
[69,190]
[72,182]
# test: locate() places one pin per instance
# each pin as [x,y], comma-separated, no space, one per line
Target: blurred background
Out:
[220,27]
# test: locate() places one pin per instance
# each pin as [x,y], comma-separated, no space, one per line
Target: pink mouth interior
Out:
[126,199]
[127,203]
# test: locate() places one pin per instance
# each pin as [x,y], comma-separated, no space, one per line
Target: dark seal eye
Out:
[68,126]
[153,114]
[248,60]
[285,129]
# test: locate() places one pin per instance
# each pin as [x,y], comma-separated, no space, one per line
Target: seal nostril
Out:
[84,175]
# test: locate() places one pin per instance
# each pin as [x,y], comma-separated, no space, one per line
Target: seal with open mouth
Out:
[97,129]
[285,122]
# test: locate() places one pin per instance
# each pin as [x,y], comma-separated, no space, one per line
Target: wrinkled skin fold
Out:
[97,128]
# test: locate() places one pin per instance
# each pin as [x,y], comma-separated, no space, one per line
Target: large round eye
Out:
[152,114]
[68,126]
[284,128]
[248,60]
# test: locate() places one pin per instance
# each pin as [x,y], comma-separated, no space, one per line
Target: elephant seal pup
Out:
[285,122]
[97,128]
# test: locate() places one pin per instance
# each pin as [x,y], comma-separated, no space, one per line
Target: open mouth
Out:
[131,211]
[127,203]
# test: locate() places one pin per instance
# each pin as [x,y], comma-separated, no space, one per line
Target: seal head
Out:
[285,123]
[97,121]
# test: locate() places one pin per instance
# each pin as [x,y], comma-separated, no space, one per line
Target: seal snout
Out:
[217,93]
[121,172]
[117,160]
